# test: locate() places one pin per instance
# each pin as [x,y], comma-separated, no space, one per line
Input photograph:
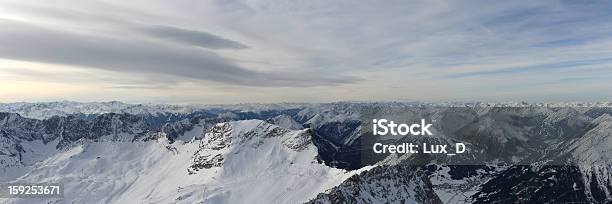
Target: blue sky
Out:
[305,51]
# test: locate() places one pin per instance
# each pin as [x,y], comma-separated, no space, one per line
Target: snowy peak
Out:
[254,136]
[255,158]
[253,132]
[233,162]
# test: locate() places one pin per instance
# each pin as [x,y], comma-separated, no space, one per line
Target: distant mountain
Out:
[63,108]
[317,153]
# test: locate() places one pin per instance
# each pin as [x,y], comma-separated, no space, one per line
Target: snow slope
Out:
[593,154]
[262,163]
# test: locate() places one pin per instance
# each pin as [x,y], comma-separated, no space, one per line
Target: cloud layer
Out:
[341,50]
[139,48]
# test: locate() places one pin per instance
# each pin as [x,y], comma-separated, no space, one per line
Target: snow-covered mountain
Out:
[114,152]
[383,184]
[234,162]
[45,110]
[49,109]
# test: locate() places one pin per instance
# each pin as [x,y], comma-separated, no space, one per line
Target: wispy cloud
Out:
[446,50]
[192,37]
[30,42]
[551,67]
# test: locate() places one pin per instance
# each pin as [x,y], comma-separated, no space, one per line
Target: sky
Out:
[211,52]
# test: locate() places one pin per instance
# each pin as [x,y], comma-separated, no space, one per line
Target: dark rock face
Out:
[383,184]
[15,126]
[333,149]
[125,127]
[174,130]
[458,172]
[16,129]
[509,136]
[524,184]
[66,130]
[112,126]
[215,139]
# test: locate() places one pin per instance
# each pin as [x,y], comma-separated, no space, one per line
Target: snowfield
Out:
[111,152]
[262,163]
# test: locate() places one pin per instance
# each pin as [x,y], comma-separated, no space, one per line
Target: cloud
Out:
[556,66]
[77,76]
[157,87]
[440,49]
[172,33]
[192,37]
[28,42]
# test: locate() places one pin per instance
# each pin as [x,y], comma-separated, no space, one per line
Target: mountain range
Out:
[114,152]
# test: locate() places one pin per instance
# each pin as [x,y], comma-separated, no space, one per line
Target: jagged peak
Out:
[243,131]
